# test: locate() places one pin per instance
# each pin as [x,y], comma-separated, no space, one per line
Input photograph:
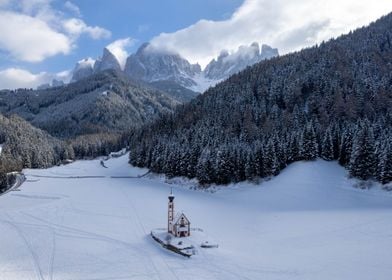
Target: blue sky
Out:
[140,20]
[43,39]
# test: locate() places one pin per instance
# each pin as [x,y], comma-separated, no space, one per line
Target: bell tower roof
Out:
[171,195]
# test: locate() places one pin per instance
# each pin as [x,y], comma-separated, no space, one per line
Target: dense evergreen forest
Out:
[332,101]
[107,102]
[85,119]
[25,146]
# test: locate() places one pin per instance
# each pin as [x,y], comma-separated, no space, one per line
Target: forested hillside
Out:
[332,101]
[25,146]
[88,118]
[106,102]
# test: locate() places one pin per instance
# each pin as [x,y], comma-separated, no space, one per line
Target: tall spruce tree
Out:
[385,165]
[309,146]
[327,146]
[363,160]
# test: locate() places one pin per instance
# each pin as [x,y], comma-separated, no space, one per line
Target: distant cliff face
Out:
[228,64]
[152,65]
[83,69]
[107,62]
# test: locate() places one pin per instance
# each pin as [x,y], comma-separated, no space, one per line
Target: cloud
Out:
[285,24]
[119,49]
[73,8]
[32,7]
[30,39]
[75,27]
[13,78]
[31,30]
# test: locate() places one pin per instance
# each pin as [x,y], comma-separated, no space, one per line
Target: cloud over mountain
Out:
[287,25]
[119,49]
[13,78]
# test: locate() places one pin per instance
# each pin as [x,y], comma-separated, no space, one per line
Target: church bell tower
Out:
[170,212]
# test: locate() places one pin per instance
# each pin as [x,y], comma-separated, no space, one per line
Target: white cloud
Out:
[119,49]
[64,76]
[13,78]
[286,24]
[31,30]
[75,27]
[72,8]
[30,39]
[32,7]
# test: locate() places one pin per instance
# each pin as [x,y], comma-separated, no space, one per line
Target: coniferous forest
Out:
[332,101]
[25,146]
[85,119]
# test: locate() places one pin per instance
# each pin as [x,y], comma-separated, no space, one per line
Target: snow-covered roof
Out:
[178,217]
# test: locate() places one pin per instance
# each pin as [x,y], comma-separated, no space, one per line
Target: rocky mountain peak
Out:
[106,62]
[83,69]
[150,64]
[228,64]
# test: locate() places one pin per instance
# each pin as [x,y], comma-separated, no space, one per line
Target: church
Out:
[178,225]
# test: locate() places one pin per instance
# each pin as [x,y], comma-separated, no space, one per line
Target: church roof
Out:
[178,216]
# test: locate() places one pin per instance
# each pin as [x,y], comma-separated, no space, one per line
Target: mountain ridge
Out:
[154,66]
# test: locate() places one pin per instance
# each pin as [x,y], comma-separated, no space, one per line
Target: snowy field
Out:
[308,223]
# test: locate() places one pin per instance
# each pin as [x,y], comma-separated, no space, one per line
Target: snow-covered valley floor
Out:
[307,223]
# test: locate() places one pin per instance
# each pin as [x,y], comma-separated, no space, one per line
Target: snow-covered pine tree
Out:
[271,163]
[293,152]
[222,167]
[250,165]
[327,147]
[363,161]
[385,165]
[346,146]
[205,168]
[308,145]
[258,158]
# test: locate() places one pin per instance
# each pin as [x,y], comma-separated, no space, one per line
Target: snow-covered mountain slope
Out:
[307,223]
[104,102]
[150,64]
